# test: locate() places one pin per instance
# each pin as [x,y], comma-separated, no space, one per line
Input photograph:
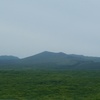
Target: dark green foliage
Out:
[49,85]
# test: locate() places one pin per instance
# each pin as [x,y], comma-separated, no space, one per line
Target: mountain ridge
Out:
[46,53]
[76,55]
[58,60]
[8,57]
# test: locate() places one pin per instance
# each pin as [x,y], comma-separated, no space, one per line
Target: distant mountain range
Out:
[50,60]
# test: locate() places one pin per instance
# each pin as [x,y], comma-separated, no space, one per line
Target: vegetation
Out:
[50,76]
[49,85]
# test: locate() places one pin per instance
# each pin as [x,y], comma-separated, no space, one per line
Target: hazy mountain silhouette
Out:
[51,59]
[60,57]
[5,57]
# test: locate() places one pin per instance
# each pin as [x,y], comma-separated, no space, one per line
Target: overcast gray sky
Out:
[28,27]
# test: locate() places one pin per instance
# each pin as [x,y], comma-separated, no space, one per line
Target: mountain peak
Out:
[52,52]
[46,52]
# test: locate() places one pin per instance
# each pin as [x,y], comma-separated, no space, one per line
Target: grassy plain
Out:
[49,85]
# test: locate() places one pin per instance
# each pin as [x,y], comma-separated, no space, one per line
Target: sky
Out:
[28,27]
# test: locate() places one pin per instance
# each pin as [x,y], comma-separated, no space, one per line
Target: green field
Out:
[49,85]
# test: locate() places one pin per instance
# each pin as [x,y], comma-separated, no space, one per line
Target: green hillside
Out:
[49,85]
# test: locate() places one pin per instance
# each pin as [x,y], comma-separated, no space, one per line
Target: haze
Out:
[28,27]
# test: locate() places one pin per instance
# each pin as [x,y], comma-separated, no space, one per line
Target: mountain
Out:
[5,57]
[8,60]
[62,60]
[51,57]
[46,57]
[51,60]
